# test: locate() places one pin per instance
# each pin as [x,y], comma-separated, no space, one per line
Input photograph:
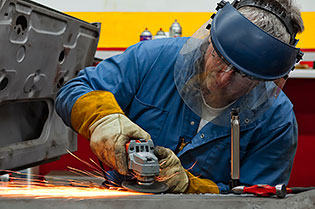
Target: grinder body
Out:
[142,161]
[144,165]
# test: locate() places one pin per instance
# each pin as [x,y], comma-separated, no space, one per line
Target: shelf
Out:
[303,73]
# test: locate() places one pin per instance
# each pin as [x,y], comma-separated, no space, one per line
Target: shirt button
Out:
[246,120]
[192,123]
[202,136]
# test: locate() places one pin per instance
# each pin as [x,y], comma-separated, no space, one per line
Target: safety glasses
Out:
[242,80]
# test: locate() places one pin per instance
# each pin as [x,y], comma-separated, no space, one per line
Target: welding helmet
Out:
[232,63]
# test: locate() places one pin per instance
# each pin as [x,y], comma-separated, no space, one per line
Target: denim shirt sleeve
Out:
[116,74]
[121,75]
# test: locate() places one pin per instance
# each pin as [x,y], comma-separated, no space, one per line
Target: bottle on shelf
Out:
[175,30]
[160,34]
[146,35]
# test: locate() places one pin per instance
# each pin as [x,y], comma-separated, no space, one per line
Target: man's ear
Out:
[224,78]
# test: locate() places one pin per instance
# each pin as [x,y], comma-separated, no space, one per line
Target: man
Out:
[179,92]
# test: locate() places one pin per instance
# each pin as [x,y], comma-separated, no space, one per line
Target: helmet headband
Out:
[277,10]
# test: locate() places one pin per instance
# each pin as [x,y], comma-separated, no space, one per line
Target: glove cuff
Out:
[90,108]
[198,185]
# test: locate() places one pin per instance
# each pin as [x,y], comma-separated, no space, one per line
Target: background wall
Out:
[124,20]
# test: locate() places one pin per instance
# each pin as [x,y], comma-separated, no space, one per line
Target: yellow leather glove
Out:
[98,117]
[90,108]
[200,186]
[177,178]
[171,170]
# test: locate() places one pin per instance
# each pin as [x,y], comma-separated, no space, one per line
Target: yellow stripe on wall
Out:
[122,29]
[307,38]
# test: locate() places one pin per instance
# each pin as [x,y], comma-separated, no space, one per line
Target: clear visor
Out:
[221,83]
[211,86]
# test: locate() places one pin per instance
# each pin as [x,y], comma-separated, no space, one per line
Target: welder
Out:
[179,92]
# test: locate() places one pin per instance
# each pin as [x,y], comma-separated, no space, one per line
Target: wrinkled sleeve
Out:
[121,75]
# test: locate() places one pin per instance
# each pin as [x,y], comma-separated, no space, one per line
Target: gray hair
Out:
[270,23]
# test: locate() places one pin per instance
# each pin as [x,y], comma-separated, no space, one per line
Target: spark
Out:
[97,170]
[65,192]
[83,161]
[97,165]
[87,173]
[38,187]
[193,165]
[165,178]
[19,187]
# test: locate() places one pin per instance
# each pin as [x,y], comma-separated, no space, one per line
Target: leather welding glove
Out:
[109,136]
[201,186]
[177,178]
[98,117]
[171,170]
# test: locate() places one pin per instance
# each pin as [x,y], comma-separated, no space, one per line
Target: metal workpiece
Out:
[44,49]
[235,147]
[305,200]
[41,50]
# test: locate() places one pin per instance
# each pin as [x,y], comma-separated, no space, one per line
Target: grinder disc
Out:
[156,187]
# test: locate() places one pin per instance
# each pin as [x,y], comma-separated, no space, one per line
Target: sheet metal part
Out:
[44,49]
[305,200]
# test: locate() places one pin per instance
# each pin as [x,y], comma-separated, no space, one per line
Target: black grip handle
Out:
[295,190]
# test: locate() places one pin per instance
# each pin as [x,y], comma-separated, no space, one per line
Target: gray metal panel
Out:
[305,200]
[41,49]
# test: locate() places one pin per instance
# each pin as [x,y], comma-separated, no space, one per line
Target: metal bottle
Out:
[146,35]
[175,29]
[160,34]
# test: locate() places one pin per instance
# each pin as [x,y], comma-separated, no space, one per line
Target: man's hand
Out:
[109,136]
[171,170]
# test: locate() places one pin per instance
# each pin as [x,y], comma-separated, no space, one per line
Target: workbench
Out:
[303,200]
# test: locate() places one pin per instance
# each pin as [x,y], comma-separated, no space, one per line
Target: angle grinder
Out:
[144,165]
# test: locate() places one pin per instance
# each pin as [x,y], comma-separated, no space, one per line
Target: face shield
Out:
[233,65]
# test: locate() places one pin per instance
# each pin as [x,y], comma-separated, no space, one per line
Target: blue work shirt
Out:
[142,80]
